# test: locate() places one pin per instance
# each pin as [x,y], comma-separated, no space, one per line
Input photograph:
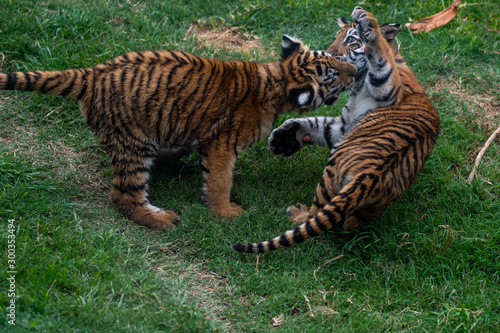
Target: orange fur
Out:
[143,103]
[376,154]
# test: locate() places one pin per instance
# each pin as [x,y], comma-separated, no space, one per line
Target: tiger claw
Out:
[357,8]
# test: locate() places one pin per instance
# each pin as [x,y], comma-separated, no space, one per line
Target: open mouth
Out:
[332,99]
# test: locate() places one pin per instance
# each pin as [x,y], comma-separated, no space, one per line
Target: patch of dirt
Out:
[485,109]
[204,288]
[222,37]
[21,139]
[486,106]
[24,141]
[92,179]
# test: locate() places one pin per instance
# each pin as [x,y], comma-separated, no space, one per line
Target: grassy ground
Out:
[431,262]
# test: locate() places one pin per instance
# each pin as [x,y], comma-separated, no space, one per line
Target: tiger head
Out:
[348,43]
[316,76]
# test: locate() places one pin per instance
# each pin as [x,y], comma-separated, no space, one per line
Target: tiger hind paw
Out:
[299,214]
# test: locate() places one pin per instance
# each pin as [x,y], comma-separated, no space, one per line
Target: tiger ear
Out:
[342,21]
[302,97]
[289,46]
[390,30]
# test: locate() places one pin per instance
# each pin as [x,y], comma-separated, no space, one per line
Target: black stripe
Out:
[129,189]
[411,89]
[317,203]
[377,82]
[84,87]
[375,181]
[310,230]
[140,169]
[170,111]
[153,98]
[260,247]
[325,194]
[140,57]
[127,117]
[342,128]
[68,89]
[284,241]
[29,84]
[329,173]
[319,70]
[323,227]
[209,87]
[297,236]
[91,116]
[138,107]
[240,247]
[328,136]
[46,90]
[11,81]
[381,64]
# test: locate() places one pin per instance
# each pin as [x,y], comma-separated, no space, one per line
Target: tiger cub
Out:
[143,103]
[378,145]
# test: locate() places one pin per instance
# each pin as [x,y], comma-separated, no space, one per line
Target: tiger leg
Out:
[217,165]
[295,133]
[383,76]
[129,192]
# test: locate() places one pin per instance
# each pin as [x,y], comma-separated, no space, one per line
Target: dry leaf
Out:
[324,310]
[278,321]
[436,20]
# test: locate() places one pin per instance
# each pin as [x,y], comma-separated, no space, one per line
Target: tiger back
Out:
[392,130]
[144,103]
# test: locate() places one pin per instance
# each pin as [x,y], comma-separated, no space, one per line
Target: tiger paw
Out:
[352,222]
[226,212]
[299,214]
[367,24]
[287,139]
[157,220]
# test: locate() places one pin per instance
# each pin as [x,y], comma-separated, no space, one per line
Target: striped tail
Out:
[352,196]
[71,82]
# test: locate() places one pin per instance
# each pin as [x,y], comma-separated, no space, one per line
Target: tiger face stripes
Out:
[377,146]
[376,85]
[142,104]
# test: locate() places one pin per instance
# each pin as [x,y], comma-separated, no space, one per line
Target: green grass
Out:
[430,263]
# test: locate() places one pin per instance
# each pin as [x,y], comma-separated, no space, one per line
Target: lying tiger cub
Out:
[378,145]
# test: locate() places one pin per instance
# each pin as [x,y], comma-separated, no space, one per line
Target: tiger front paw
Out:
[367,24]
[287,139]
[156,219]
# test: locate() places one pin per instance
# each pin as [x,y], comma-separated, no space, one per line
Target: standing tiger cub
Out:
[378,145]
[143,103]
